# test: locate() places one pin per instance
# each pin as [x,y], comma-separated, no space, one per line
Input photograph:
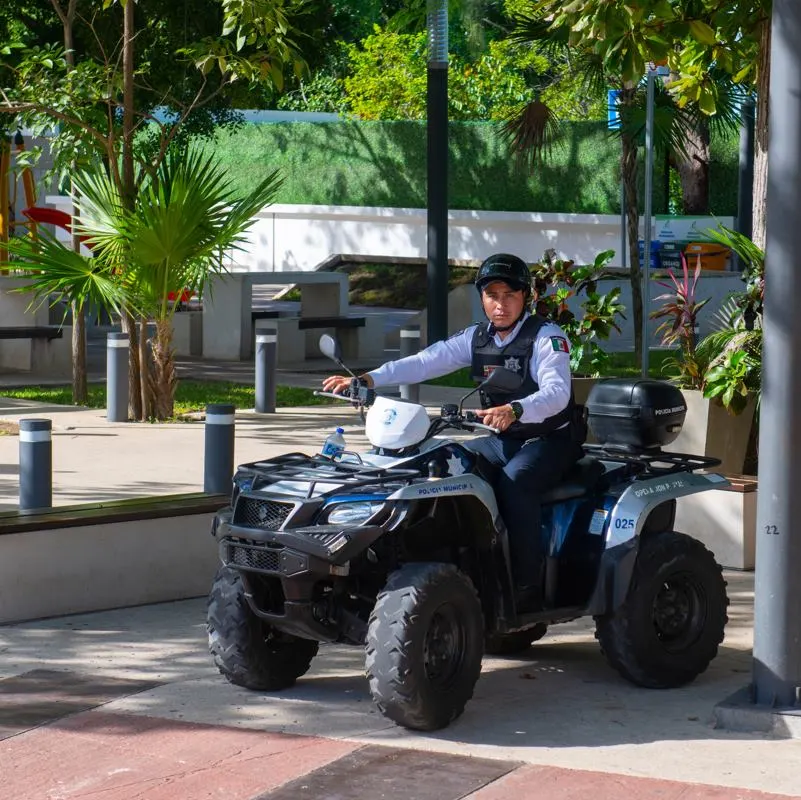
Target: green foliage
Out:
[556,281]
[183,218]
[628,34]
[384,164]
[387,78]
[733,375]
[56,270]
[75,98]
[726,365]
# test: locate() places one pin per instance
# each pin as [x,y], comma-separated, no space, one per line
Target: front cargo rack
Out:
[320,469]
[652,462]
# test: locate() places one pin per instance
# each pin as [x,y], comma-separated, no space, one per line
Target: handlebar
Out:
[482,426]
[358,394]
[361,395]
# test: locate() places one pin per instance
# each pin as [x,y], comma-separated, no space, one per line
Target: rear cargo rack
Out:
[319,469]
[653,462]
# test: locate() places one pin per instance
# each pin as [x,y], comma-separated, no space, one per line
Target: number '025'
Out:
[624,524]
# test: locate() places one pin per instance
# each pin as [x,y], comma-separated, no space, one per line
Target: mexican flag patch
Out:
[560,344]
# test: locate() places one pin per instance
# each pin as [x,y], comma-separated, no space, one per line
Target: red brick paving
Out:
[115,757]
[556,783]
[95,755]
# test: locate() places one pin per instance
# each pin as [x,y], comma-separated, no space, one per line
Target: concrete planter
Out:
[724,520]
[187,333]
[710,430]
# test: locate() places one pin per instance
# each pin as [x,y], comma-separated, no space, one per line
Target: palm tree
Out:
[680,132]
[184,218]
[60,273]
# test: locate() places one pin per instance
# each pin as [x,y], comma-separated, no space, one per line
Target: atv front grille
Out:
[261,559]
[252,512]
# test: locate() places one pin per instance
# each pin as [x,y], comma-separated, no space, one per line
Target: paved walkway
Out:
[127,704]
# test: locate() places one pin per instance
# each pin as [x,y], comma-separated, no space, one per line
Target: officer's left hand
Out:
[500,417]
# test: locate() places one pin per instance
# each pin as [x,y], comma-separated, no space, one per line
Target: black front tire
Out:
[248,651]
[669,627]
[424,645]
[510,644]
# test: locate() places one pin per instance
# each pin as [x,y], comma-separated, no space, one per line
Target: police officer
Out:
[537,443]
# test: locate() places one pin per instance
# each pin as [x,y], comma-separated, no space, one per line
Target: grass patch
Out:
[619,365]
[190,396]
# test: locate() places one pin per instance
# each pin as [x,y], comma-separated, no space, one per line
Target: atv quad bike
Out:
[401,550]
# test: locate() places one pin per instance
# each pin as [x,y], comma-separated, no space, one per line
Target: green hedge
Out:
[384,164]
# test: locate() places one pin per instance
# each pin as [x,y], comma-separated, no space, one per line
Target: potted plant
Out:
[719,375]
[559,285]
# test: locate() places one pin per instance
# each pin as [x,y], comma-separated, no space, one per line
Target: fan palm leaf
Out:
[56,270]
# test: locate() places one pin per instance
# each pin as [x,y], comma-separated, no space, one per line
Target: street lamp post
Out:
[645,265]
[437,170]
[777,598]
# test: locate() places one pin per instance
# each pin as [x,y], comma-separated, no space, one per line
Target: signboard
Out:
[613,115]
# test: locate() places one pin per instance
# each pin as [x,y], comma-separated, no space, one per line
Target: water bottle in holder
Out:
[334,445]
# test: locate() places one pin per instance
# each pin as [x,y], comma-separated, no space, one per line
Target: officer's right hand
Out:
[336,384]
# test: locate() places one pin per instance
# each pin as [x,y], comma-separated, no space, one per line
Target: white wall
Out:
[300,237]
[295,237]
[45,573]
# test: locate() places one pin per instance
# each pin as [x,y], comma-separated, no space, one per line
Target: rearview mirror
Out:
[502,380]
[329,347]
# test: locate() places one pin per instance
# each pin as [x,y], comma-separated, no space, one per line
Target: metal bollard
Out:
[117,350]
[35,464]
[409,345]
[218,468]
[266,360]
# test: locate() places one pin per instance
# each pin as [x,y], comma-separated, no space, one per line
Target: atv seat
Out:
[582,478]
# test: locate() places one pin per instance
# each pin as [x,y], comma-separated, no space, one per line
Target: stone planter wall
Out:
[724,520]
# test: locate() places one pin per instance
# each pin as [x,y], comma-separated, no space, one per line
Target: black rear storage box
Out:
[635,414]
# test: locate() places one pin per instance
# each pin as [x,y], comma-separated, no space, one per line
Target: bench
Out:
[93,557]
[48,332]
[228,320]
[310,323]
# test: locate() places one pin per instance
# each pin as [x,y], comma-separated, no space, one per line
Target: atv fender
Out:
[627,523]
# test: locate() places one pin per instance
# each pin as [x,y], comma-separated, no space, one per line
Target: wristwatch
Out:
[517,409]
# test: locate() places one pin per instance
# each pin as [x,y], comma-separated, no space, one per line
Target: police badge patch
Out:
[512,364]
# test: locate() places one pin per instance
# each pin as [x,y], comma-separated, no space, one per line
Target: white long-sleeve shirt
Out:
[549,366]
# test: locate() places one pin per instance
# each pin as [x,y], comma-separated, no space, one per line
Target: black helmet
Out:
[504,267]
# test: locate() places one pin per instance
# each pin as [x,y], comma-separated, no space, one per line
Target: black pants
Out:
[528,469]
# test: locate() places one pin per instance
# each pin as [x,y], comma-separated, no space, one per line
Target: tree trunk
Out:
[628,171]
[80,384]
[146,380]
[693,170]
[137,365]
[164,376]
[80,388]
[128,103]
[761,133]
[128,324]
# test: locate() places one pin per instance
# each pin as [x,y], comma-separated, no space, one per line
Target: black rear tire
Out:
[510,644]
[669,627]
[248,651]
[424,645]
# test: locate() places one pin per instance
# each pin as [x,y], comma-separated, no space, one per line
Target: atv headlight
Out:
[241,483]
[352,513]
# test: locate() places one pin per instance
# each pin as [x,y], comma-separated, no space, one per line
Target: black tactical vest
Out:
[515,356]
